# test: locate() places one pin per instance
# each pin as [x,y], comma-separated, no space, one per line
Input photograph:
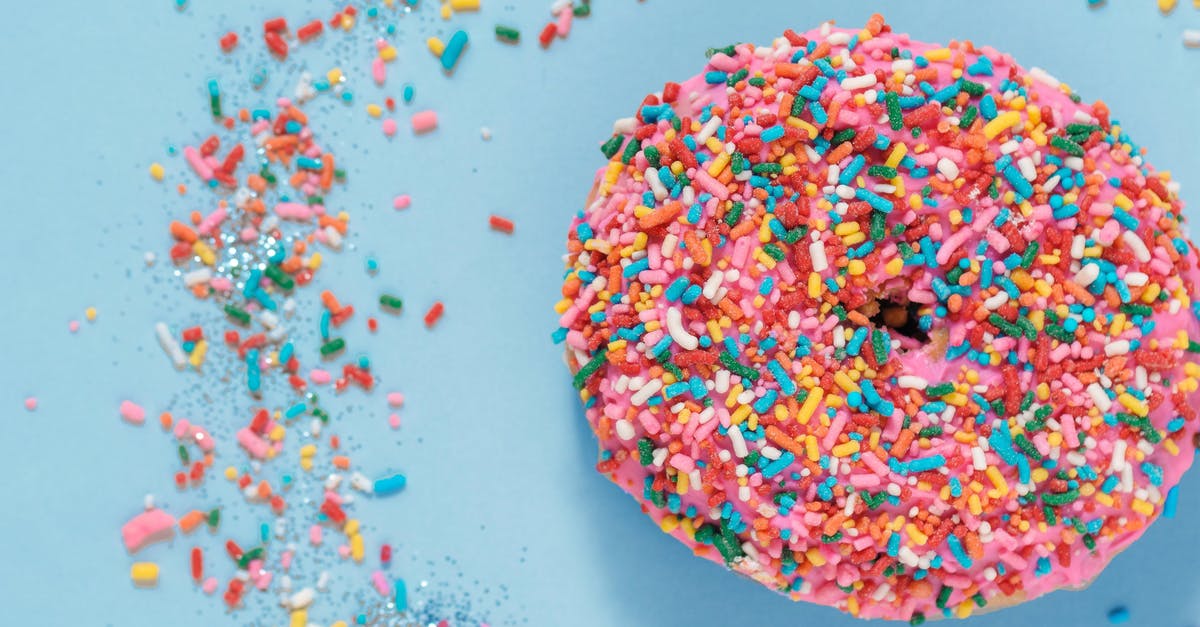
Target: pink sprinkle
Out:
[563,27]
[133,413]
[344,551]
[31,403]
[320,377]
[394,421]
[378,71]
[382,585]
[210,585]
[314,535]
[389,127]
[403,201]
[73,326]
[395,399]
[424,121]
[285,560]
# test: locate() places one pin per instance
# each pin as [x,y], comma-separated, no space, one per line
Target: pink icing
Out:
[687,463]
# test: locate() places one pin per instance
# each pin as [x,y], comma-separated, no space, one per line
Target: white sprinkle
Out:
[302,599]
[996,301]
[625,430]
[820,262]
[1119,347]
[1074,163]
[858,82]
[333,238]
[912,382]
[1136,279]
[1042,76]
[660,190]
[721,381]
[947,168]
[1099,398]
[197,277]
[1087,274]
[668,245]
[625,126]
[485,133]
[903,65]
[838,39]
[650,389]
[678,333]
[1191,38]
[712,285]
[1118,456]
[149,258]
[1139,247]
[738,442]
[709,129]
[170,346]
[1077,246]
[978,459]
[1028,170]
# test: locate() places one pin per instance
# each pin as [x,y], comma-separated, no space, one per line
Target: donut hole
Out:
[902,320]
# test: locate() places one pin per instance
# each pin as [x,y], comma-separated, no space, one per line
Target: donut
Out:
[899,328]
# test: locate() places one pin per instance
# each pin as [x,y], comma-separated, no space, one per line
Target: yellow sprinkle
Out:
[974,505]
[144,574]
[856,267]
[814,556]
[893,267]
[277,433]
[897,155]
[916,534]
[299,618]
[198,353]
[1171,447]
[997,479]
[308,450]
[436,46]
[357,550]
[810,405]
[846,449]
[1142,507]
[388,53]
[157,171]
[204,252]
[90,314]
[740,414]
[446,12]
[1001,123]
[374,110]
[334,76]
[231,473]
[669,523]
[718,163]
[845,382]
[940,54]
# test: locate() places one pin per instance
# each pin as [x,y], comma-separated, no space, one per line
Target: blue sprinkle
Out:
[390,485]
[771,134]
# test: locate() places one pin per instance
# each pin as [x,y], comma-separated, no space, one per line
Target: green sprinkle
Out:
[917,619]
[652,155]
[611,147]
[508,34]
[1089,541]
[332,346]
[279,277]
[1193,346]
[589,369]
[631,149]
[250,556]
[831,539]
[1067,146]
[239,315]
[1057,332]
[1134,309]
[214,517]
[930,432]
[843,135]
[1025,445]
[737,77]
[735,214]
[1051,517]
[940,389]
[895,117]
[878,225]
[973,88]
[1007,327]
[582,10]
[775,252]
[944,596]
[968,117]
[880,346]
[183,455]
[645,451]
[732,364]
[1030,252]
[391,302]
[1060,499]
[767,168]
[882,171]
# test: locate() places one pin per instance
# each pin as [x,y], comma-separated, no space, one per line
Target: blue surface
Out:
[502,507]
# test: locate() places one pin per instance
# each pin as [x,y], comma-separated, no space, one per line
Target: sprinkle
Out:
[424,122]
[434,314]
[498,223]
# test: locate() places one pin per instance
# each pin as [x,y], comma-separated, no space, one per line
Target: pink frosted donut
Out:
[898,328]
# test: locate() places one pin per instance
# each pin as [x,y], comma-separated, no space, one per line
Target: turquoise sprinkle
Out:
[675,290]
[295,410]
[401,596]
[852,169]
[1171,504]
[779,465]
[454,49]
[876,201]
[715,78]
[956,549]
[389,485]
[771,134]
[1126,220]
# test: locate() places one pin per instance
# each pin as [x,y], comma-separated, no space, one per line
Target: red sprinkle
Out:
[275,25]
[229,41]
[547,35]
[434,313]
[501,224]
[310,30]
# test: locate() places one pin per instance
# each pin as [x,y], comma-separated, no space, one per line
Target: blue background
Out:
[504,510]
